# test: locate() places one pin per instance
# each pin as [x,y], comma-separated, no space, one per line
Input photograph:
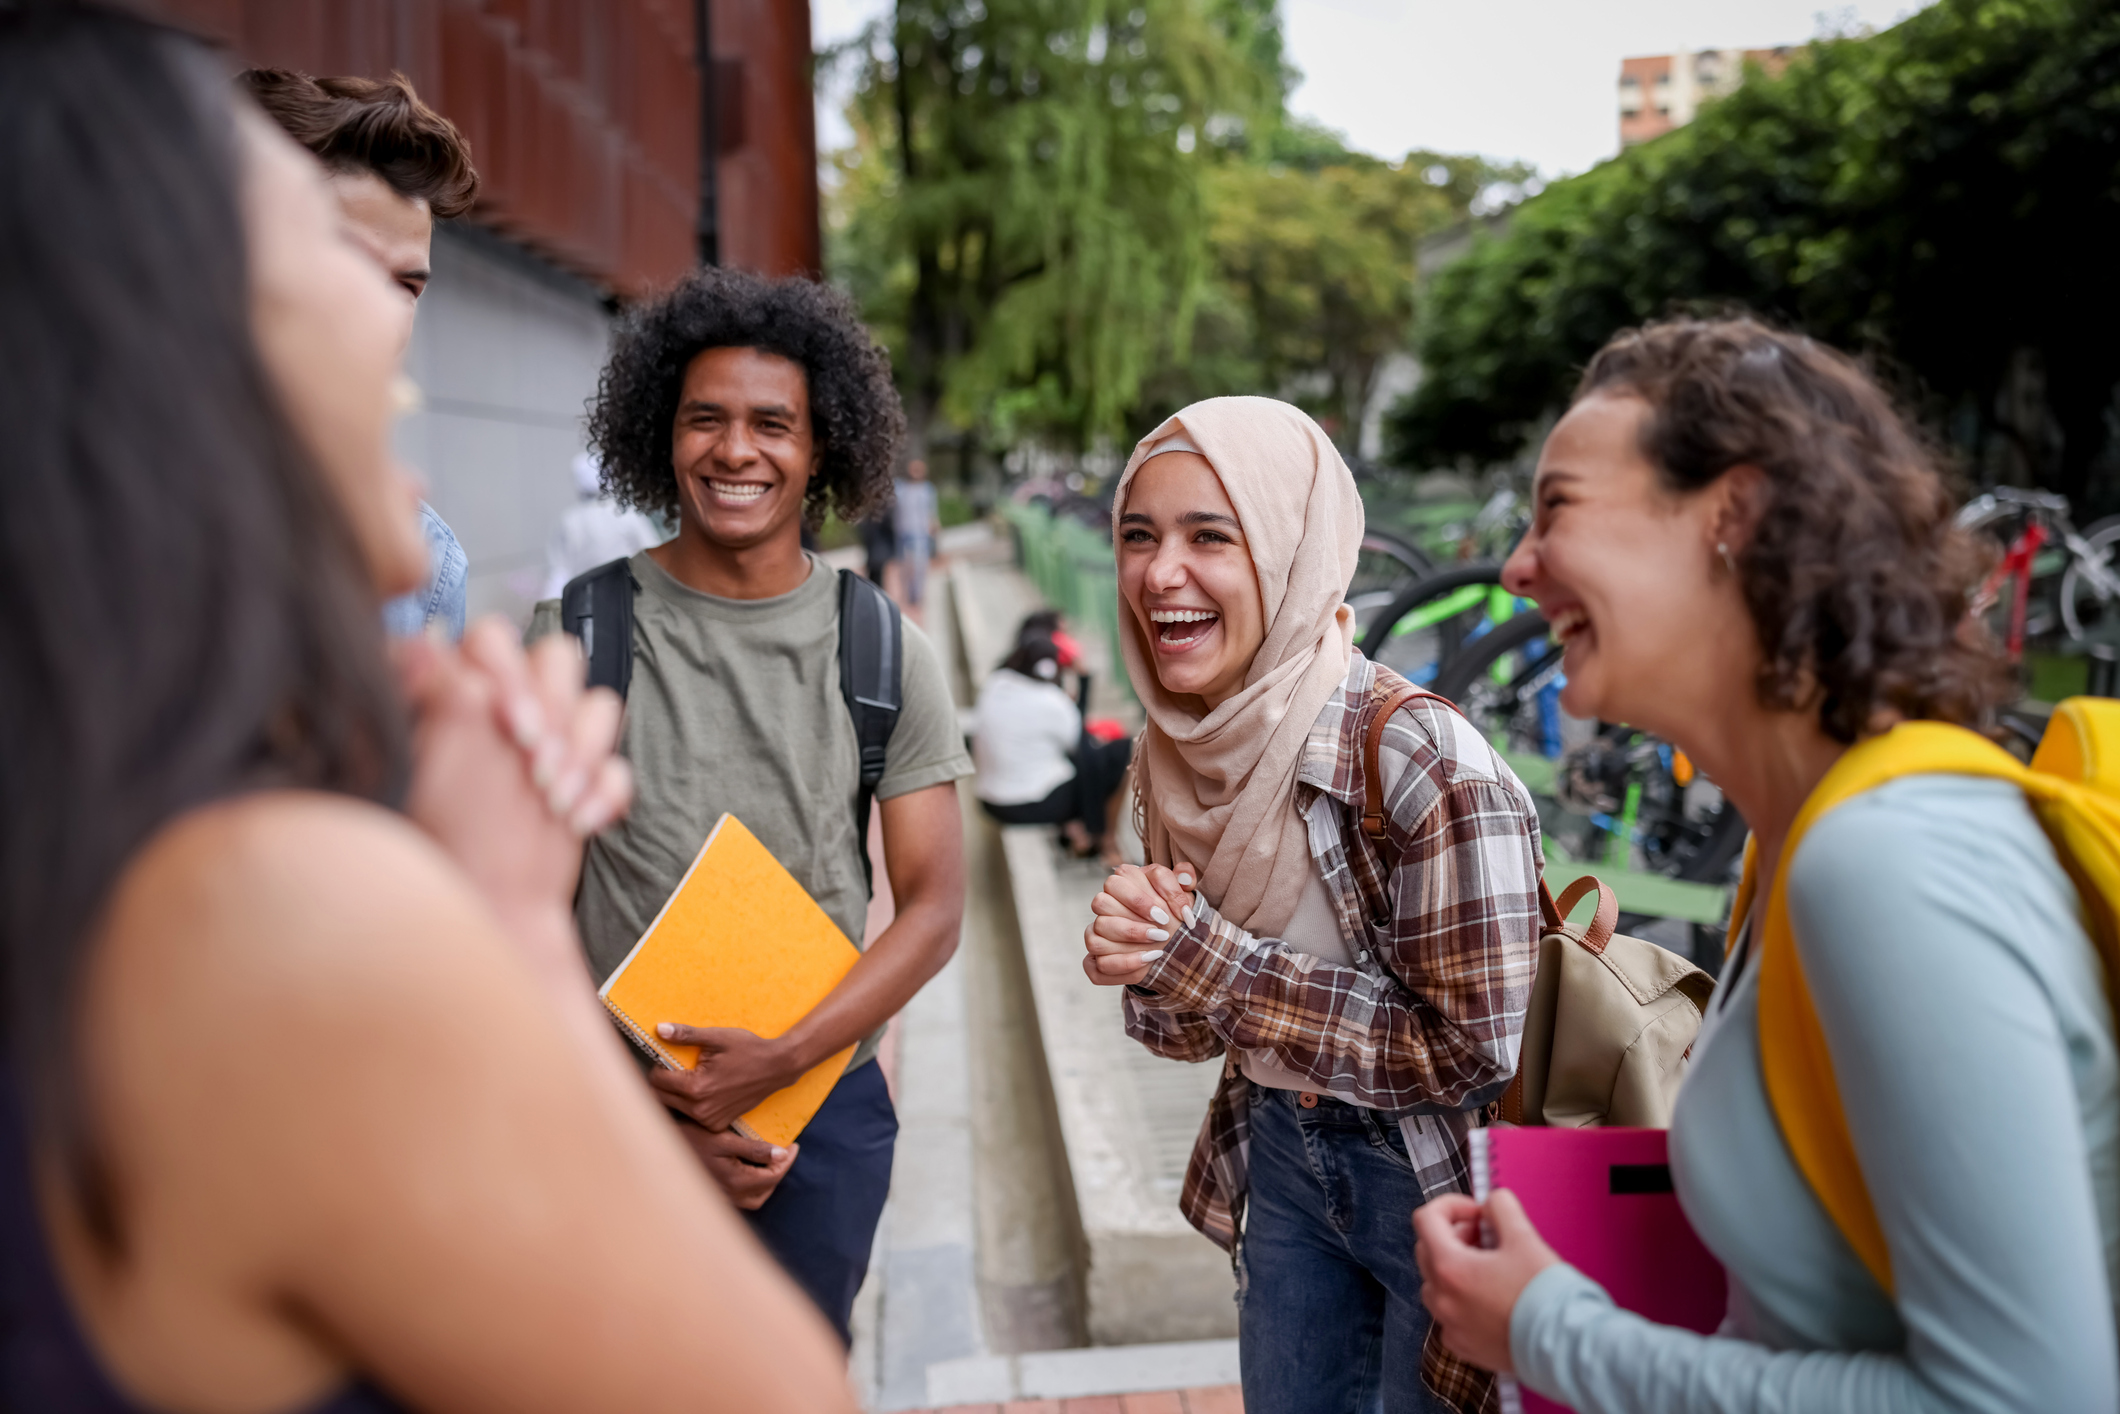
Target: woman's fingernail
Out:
[527,722]
[1147,957]
[566,791]
[1185,880]
[779,1153]
[665,1030]
[545,762]
[1159,915]
[1157,935]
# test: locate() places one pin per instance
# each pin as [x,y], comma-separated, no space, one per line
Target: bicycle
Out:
[1385,566]
[1607,793]
[2053,573]
[1431,619]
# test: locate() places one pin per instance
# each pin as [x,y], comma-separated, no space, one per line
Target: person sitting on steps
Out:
[1037,765]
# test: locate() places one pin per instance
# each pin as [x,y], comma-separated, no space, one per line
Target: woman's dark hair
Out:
[855,415]
[373,125]
[1031,649]
[1855,573]
[186,612]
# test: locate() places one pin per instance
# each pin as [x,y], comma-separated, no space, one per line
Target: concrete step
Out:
[1127,1119]
[1204,1367]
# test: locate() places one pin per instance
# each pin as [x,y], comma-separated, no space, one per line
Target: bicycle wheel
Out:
[1621,782]
[2089,615]
[1385,566]
[1496,678]
[1430,619]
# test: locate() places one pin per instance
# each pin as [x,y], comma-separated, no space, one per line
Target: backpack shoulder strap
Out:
[597,608]
[1387,695]
[872,681]
[1794,1060]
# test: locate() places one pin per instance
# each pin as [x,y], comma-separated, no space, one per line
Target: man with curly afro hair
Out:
[741,408]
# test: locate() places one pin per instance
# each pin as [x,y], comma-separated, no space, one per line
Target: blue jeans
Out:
[1329,1299]
[820,1223]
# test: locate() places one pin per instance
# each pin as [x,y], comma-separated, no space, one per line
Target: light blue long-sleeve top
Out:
[1973,1044]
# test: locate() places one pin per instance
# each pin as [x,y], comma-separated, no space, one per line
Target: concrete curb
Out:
[1126,1118]
[1076,1374]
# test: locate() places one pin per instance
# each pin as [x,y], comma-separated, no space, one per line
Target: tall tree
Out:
[1024,208]
[1312,259]
[1945,195]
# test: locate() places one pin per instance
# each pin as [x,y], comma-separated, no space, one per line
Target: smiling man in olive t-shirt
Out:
[734,404]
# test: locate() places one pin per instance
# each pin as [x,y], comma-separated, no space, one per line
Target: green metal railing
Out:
[1073,568]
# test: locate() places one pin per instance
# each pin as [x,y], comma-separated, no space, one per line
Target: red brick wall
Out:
[583,115]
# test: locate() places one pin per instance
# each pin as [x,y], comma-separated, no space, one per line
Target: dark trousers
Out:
[1100,768]
[820,1223]
[1329,1299]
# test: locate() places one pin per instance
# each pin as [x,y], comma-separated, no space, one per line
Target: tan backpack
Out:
[1612,1018]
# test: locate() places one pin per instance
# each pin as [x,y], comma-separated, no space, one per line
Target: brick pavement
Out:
[1223,1399]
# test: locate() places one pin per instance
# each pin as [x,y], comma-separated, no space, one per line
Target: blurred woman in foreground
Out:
[1748,552]
[302,1100]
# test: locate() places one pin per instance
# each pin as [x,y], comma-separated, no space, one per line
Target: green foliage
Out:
[1312,257]
[1945,195]
[1104,215]
[1022,216]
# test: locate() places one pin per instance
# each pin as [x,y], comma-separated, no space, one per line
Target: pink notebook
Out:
[1603,1198]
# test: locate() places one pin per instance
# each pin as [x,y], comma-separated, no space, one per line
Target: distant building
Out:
[587,121]
[1660,92]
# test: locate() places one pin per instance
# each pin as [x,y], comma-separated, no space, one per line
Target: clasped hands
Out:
[514,764]
[1134,917]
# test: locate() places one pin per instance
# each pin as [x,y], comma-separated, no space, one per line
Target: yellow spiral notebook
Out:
[739,943]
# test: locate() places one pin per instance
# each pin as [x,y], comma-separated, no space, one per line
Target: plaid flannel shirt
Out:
[1443,923]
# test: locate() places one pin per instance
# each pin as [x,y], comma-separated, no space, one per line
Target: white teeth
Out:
[737,490]
[1568,621]
[1181,616]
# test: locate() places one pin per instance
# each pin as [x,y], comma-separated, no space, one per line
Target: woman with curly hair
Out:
[1746,550]
[741,408]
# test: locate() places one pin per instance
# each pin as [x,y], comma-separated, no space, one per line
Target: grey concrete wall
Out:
[505,351]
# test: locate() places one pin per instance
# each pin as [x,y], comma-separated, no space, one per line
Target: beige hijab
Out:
[1219,790]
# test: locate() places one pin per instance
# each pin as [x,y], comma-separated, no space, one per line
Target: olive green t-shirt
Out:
[735,706]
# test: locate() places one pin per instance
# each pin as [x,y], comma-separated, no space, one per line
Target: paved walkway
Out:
[1223,1399]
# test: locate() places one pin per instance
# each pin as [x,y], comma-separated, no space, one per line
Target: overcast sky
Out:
[1531,80]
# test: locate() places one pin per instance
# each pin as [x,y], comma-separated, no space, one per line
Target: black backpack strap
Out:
[597,608]
[871,679]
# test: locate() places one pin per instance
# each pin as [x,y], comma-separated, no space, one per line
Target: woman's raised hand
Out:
[513,765]
[1135,916]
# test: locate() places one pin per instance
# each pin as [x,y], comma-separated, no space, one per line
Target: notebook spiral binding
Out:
[1479,1164]
[641,1038]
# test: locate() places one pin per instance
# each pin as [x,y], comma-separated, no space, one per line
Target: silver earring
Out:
[1723,550]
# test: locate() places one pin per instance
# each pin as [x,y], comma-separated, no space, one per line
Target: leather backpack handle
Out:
[1373,822]
[1602,924]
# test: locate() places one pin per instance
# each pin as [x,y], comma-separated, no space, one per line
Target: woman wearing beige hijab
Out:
[1366,996]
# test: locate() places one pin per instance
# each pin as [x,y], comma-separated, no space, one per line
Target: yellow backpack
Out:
[2073,784]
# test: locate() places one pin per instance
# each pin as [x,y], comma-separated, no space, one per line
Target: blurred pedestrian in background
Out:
[594,531]
[252,1156]
[394,166]
[915,518]
[1367,993]
[879,542]
[1749,552]
[1037,765]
